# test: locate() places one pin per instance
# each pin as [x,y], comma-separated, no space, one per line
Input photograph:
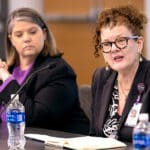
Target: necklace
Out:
[122,91]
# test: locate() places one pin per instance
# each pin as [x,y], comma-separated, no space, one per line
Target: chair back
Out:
[85,97]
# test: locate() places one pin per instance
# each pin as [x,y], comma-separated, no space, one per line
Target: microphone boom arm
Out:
[24,84]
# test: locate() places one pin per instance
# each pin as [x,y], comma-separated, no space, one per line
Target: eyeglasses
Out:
[120,43]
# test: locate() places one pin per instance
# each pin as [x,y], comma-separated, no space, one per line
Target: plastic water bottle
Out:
[140,133]
[15,114]
[148,136]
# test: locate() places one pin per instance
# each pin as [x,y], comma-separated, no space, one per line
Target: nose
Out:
[114,48]
[26,37]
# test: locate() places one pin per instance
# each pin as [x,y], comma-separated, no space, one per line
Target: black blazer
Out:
[51,97]
[102,85]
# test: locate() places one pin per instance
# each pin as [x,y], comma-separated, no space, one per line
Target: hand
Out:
[4,73]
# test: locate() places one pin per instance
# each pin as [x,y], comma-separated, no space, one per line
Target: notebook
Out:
[77,143]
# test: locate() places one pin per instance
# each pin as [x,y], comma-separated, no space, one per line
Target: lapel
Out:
[133,94]
[107,93]
[106,98]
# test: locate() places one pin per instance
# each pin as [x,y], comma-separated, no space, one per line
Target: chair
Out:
[85,97]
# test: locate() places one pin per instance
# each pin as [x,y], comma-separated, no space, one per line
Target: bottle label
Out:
[148,140]
[15,116]
[139,140]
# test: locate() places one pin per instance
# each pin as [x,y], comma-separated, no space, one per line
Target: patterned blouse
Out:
[112,122]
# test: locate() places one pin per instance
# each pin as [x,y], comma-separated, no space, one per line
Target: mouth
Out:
[28,47]
[118,58]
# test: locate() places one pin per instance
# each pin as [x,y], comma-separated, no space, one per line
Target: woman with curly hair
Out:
[122,88]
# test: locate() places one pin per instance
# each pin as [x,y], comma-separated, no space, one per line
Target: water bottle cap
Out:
[16,97]
[144,116]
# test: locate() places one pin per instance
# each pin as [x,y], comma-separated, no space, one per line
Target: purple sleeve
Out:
[6,82]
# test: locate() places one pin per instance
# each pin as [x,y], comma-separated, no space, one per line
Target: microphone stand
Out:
[24,84]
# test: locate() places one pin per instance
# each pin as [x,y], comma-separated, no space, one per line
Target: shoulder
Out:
[101,74]
[146,62]
[145,68]
[146,72]
[62,65]
[55,66]
[57,60]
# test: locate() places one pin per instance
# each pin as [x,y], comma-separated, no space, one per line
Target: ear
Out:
[9,36]
[45,34]
[140,42]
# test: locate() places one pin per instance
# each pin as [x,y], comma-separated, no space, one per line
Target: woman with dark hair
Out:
[51,96]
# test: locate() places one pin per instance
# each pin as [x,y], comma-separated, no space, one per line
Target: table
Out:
[36,145]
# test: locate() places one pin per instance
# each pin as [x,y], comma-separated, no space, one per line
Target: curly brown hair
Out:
[122,15]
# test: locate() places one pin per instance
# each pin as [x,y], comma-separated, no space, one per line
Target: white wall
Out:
[147,31]
[36,4]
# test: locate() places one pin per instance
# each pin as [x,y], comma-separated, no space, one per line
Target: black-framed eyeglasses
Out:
[120,43]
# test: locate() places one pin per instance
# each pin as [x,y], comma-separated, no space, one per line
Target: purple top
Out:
[20,76]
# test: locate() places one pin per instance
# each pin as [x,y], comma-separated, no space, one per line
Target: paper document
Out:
[93,143]
[78,143]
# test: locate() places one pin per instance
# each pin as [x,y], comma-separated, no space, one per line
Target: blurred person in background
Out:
[122,88]
[50,96]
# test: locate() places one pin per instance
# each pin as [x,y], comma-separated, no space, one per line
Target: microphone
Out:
[50,65]
[141,89]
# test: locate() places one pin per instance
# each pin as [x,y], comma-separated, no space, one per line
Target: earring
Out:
[107,67]
[141,58]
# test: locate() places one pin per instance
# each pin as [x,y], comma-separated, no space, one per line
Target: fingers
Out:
[3,64]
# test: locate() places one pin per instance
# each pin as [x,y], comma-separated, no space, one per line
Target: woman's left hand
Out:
[4,73]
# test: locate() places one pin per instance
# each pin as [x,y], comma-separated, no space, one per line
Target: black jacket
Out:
[102,86]
[50,97]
